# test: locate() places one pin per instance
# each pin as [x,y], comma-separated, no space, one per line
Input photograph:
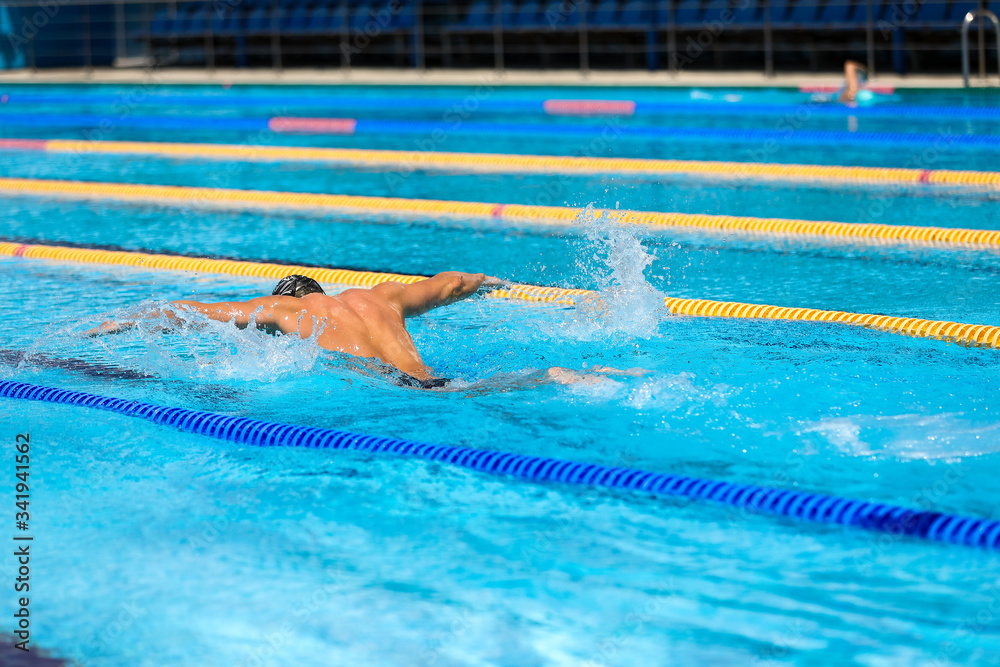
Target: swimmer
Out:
[368,323]
[855,75]
[361,322]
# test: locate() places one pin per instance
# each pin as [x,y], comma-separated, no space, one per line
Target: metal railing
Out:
[966,22]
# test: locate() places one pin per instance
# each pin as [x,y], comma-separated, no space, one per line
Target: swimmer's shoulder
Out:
[384,297]
[367,304]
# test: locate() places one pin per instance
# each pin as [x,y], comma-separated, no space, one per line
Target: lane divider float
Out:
[524,213]
[812,507]
[513,163]
[273,271]
[589,107]
[290,125]
[966,334]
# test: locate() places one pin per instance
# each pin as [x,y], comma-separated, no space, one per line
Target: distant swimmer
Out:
[361,322]
[855,75]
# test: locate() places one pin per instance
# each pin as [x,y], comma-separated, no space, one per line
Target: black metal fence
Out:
[904,35]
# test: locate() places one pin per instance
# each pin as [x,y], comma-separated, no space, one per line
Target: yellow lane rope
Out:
[258,269]
[969,334]
[500,163]
[559,215]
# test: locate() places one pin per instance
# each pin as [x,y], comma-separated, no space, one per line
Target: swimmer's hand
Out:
[491,284]
[596,375]
[112,327]
[631,372]
[109,327]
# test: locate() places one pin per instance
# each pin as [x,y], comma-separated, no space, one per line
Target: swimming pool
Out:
[185,550]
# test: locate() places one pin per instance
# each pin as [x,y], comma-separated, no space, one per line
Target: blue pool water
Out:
[464,115]
[160,548]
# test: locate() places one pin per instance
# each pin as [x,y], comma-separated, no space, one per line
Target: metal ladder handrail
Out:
[966,22]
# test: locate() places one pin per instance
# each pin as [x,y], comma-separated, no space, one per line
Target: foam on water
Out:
[667,393]
[908,436]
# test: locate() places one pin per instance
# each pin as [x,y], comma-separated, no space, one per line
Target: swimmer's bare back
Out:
[362,322]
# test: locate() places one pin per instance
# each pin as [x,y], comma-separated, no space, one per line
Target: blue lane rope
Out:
[583,130]
[801,137]
[327,103]
[185,122]
[813,507]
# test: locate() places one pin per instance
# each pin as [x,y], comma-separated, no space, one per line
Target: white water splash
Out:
[907,436]
[668,393]
[615,260]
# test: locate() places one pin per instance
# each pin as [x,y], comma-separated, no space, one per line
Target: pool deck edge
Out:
[470,77]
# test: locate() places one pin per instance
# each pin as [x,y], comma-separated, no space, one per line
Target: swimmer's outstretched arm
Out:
[441,290]
[266,311]
[852,80]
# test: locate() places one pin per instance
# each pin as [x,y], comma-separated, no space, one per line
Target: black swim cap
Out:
[297,286]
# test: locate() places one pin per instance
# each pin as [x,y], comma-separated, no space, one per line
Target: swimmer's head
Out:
[865,97]
[297,286]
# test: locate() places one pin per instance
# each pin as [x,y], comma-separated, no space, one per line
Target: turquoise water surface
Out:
[155,547]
